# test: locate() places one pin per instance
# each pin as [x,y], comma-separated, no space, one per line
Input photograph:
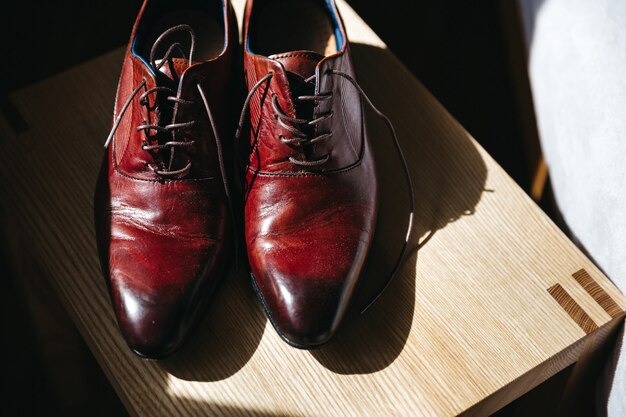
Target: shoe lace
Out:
[172,128]
[298,126]
[152,130]
[293,125]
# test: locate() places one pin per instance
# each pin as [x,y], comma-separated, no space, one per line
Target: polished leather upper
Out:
[308,229]
[163,240]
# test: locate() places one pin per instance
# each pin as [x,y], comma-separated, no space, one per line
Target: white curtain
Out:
[577,67]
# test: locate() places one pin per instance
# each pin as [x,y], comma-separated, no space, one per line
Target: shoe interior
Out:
[206,18]
[280,26]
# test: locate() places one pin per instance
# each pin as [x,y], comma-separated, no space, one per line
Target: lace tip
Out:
[367,307]
[410,228]
[106,143]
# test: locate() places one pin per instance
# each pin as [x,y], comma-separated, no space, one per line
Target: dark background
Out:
[459,50]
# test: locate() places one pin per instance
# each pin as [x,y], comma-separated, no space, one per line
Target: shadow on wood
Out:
[449,177]
[227,337]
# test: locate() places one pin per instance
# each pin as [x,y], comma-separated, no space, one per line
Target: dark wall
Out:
[458,50]
[42,38]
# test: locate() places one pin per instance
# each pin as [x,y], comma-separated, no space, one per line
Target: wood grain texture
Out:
[466,327]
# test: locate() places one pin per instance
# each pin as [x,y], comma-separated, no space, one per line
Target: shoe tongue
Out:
[174,68]
[302,63]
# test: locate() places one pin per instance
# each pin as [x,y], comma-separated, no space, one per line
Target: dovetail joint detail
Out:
[597,293]
[572,308]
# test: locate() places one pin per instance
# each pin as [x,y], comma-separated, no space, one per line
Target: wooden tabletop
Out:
[494,301]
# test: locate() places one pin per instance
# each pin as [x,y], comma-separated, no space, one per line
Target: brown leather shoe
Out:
[162,200]
[311,201]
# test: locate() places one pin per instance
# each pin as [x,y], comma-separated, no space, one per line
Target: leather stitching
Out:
[293,55]
[306,174]
[348,131]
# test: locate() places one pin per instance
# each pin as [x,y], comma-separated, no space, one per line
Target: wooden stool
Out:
[495,301]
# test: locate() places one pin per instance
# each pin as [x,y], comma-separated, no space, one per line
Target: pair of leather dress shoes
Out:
[165,203]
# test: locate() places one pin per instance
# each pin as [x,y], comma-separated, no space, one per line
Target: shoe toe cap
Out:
[158,298]
[306,293]
[305,312]
[150,321]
